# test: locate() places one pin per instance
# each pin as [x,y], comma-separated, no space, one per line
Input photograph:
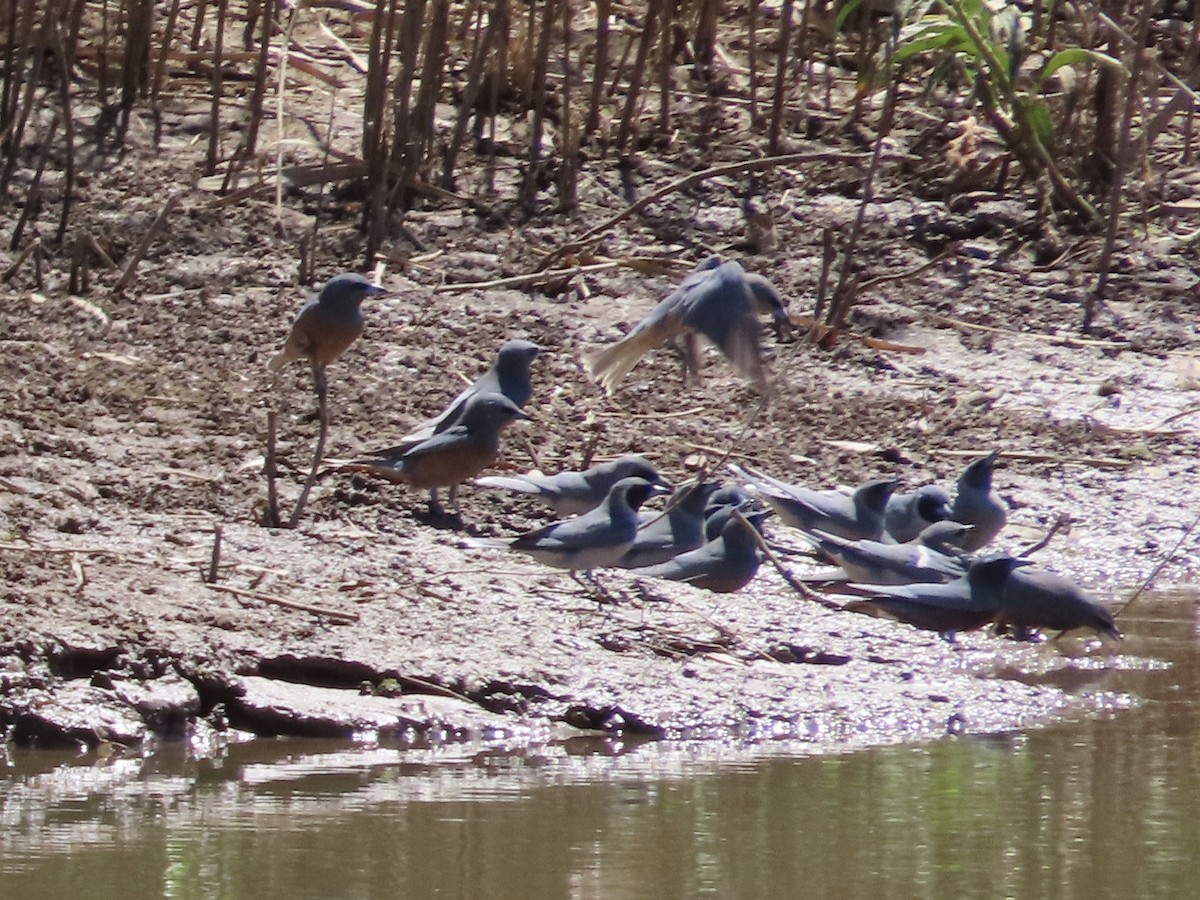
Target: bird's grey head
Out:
[490,410]
[348,289]
[766,298]
[517,354]
[944,534]
[978,475]
[873,496]
[637,467]
[635,491]
[933,503]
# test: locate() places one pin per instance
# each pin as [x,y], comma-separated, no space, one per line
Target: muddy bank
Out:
[132,426]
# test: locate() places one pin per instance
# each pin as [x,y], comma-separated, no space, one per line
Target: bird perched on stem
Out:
[718,300]
[449,457]
[327,324]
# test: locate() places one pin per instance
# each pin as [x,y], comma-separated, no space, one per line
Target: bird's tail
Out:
[610,364]
[508,483]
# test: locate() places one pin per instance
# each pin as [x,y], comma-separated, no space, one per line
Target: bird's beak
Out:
[382,293]
[659,490]
[526,416]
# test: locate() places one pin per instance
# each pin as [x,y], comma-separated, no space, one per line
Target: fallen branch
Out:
[1062,521]
[802,589]
[144,245]
[287,604]
[1098,462]
[1065,340]
[748,165]
[1163,563]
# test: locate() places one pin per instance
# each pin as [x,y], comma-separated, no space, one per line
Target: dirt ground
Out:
[133,427]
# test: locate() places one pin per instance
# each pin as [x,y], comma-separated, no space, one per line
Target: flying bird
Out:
[717,300]
[328,323]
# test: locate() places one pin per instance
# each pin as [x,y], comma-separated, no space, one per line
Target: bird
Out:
[1035,598]
[509,375]
[450,457]
[854,516]
[723,565]
[907,514]
[718,300]
[874,562]
[976,504]
[570,493]
[722,503]
[328,323]
[664,535]
[964,604]
[599,537]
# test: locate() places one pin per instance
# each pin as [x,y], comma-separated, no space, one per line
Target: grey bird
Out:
[1035,598]
[855,516]
[571,493]
[328,323]
[509,375]
[718,300]
[874,562]
[664,535]
[964,604]
[596,538]
[723,565]
[721,505]
[976,504]
[908,514]
[450,457]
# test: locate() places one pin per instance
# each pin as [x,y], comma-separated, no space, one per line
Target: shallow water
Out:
[1108,806]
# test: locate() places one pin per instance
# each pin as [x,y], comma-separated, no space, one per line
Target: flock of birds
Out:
[916,557]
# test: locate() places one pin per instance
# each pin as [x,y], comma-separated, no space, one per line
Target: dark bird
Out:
[664,535]
[855,516]
[723,565]
[1035,598]
[597,538]
[449,457]
[328,323]
[874,562]
[509,375]
[908,514]
[571,493]
[964,604]
[718,300]
[976,504]
[721,505]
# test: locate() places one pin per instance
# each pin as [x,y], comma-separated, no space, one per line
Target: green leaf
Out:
[1036,115]
[848,9]
[1077,55]
[931,36]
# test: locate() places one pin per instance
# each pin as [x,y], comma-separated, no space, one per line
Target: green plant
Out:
[991,42]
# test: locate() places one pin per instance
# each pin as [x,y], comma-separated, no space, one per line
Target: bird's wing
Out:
[610,364]
[720,309]
[452,438]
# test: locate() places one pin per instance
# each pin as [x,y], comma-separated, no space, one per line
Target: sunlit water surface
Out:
[1104,807]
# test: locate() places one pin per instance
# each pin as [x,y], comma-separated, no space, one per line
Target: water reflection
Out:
[1104,807]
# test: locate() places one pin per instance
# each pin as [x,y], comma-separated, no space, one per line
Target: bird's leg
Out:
[435,505]
[691,361]
[598,591]
[454,500]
